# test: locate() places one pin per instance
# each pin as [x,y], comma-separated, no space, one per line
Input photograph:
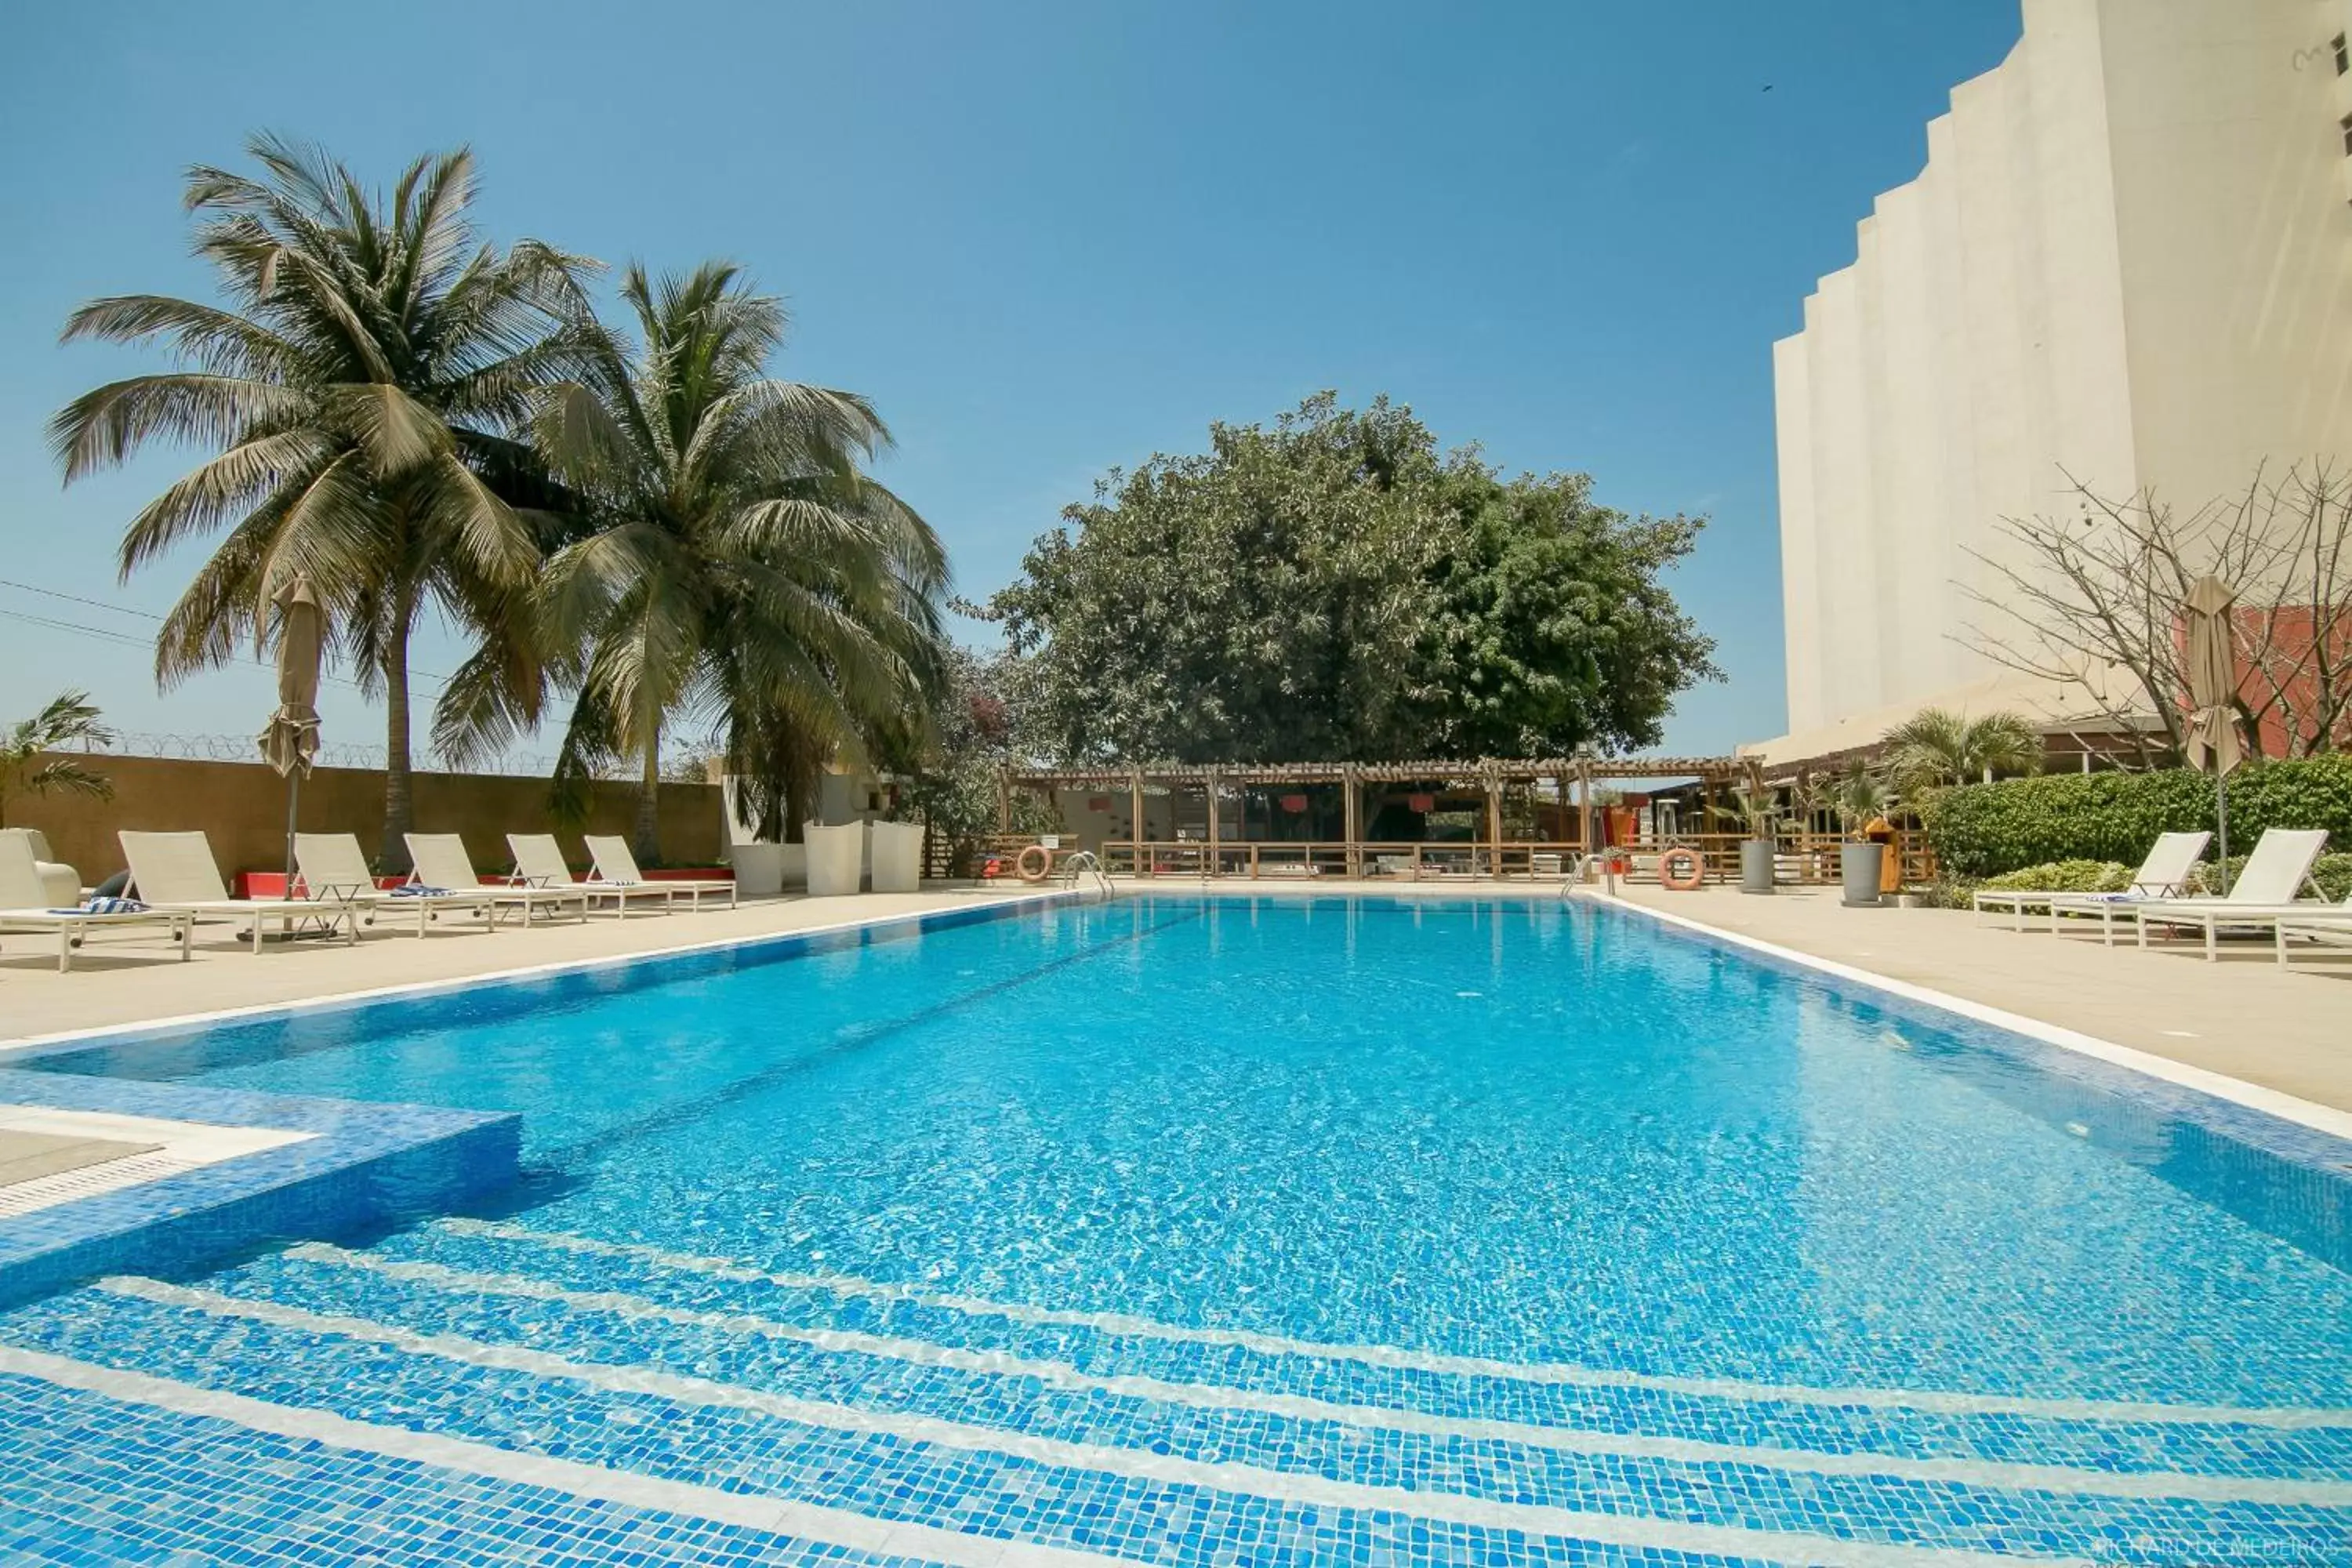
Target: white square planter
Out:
[897,857]
[836,857]
[758,868]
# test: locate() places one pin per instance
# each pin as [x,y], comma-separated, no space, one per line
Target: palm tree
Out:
[69,719]
[1936,747]
[1860,795]
[741,566]
[366,386]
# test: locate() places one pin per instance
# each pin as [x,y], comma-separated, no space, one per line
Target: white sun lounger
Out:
[176,872]
[440,860]
[24,908]
[2265,892]
[2330,925]
[2162,875]
[539,863]
[612,865]
[332,868]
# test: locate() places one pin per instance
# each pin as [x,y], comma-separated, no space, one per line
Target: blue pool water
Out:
[1200,1231]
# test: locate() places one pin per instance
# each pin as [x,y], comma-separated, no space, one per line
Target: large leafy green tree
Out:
[1262,600]
[1335,587]
[741,564]
[362,388]
[1551,627]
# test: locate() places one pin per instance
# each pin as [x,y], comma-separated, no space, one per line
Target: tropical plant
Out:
[741,563]
[29,763]
[1937,747]
[1757,809]
[1860,795]
[364,386]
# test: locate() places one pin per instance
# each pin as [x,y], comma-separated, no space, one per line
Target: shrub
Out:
[1982,831]
[2065,877]
[2332,872]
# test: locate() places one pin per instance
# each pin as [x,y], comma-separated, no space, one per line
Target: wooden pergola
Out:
[1486,853]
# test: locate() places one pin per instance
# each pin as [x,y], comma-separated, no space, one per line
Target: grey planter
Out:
[1858,867]
[1756,857]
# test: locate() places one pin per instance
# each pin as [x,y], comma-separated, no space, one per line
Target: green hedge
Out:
[2065,877]
[1982,831]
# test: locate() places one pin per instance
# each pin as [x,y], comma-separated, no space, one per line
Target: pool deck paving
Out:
[2243,1017]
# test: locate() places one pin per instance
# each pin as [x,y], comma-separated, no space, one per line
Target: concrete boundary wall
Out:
[241,806]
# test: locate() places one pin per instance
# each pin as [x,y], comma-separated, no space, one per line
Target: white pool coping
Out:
[184,1146]
[416,988]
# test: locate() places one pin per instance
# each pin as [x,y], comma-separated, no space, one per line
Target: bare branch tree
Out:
[2100,589]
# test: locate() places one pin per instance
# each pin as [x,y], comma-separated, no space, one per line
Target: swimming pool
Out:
[1204,1230]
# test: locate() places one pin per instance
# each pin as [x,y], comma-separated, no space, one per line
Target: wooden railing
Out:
[1806,859]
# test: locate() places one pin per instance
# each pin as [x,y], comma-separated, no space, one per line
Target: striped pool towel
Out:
[105,906]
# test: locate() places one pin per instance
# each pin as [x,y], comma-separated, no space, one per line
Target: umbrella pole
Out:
[2221,815]
[293,799]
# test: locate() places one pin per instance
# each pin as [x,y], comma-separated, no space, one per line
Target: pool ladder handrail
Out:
[1084,863]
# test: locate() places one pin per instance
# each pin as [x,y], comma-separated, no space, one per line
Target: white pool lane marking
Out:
[1249,1480]
[807,1522]
[1994,1475]
[1935,1400]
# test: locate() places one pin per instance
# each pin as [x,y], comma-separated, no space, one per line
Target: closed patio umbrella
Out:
[2212,688]
[289,742]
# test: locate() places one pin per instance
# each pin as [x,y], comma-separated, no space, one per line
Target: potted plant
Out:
[1758,811]
[1860,797]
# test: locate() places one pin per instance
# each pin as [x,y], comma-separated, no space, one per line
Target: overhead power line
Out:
[110,636]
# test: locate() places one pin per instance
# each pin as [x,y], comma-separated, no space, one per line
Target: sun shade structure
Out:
[289,742]
[1330,800]
[2212,683]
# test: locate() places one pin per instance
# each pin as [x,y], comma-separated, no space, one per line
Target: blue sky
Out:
[1046,239]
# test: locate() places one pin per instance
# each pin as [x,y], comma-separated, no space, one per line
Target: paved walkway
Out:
[120,978]
[2241,1017]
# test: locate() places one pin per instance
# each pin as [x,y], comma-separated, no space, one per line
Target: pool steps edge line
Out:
[1570,1374]
[781,1516]
[1637,1530]
[1990,1475]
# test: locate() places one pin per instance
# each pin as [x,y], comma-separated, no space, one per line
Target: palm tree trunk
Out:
[399,811]
[795,805]
[647,844]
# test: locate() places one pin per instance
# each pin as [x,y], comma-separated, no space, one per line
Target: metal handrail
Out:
[1084,862]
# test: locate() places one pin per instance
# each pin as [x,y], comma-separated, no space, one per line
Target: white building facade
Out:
[2128,259]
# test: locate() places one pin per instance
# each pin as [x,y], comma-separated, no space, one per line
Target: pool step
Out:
[705,1402]
[2100,1435]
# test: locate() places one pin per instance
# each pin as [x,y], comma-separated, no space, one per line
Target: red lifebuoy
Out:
[1030,870]
[1682,869]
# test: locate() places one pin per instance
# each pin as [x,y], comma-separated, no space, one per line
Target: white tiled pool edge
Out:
[184,1146]
[9,1046]
[2253,1097]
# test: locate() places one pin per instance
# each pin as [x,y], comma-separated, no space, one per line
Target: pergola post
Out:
[1003,800]
[1135,831]
[1494,820]
[1351,818]
[1584,804]
[1216,865]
